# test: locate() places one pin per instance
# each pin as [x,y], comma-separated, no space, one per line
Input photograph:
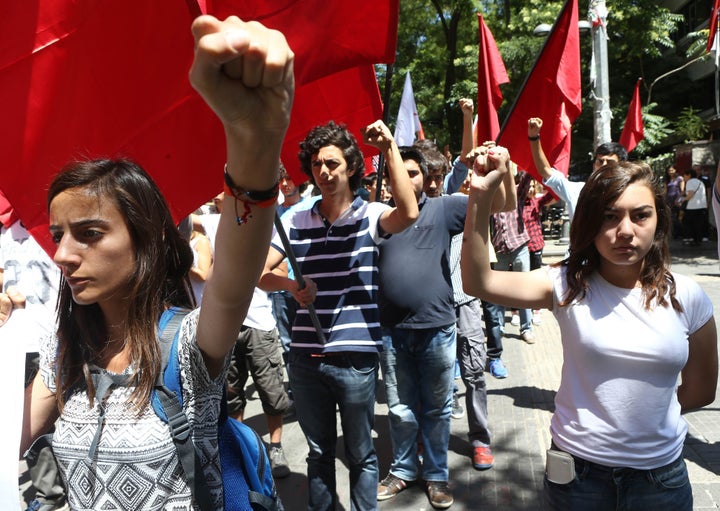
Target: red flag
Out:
[80,78]
[713,24]
[552,92]
[326,36]
[350,97]
[633,132]
[491,73]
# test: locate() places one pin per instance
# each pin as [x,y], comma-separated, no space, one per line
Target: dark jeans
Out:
[320,384]
[492,315]
[694,222]
[600,488]
[536,259]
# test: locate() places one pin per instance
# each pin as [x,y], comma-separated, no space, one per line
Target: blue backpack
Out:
[247,479]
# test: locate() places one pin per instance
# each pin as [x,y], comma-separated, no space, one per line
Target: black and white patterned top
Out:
[135,465]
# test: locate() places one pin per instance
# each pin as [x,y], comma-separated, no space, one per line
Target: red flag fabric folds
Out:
[491,73]
[88,79]
[350,97]
[551,92]
[713,24]
[326,36]
[633,131]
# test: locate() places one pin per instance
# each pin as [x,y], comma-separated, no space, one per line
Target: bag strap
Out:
[167,403]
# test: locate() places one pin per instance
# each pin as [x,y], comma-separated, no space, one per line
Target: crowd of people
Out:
[333,296]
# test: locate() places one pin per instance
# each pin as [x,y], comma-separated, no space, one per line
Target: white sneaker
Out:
[537,318]
[515,321]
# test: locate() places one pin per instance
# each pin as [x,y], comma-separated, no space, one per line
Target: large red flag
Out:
[633,131]
[491,73]
[81,78]
[714,13]
[552,92]
[326,36]
[350,97]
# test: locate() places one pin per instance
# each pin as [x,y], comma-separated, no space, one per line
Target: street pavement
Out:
[520,407]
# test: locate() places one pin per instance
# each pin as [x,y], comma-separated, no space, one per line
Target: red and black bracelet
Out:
[260,198]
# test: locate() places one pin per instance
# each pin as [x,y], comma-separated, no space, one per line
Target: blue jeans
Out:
[519,260]
[418,369]
[600,488]
[284,309]
[319,384]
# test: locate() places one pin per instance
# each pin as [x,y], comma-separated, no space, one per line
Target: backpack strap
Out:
[167,403]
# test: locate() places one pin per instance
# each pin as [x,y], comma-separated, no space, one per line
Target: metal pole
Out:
[601,89]
[298,276]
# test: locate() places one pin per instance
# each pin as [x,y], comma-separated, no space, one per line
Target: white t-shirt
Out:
[567,190]
[260,313]
[617,402]
[699,198]
[136,464]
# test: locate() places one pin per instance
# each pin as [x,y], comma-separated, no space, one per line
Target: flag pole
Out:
[386,102]
[532,69]
[298,276]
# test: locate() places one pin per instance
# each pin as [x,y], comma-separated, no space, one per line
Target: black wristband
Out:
[533,139]
[257,196]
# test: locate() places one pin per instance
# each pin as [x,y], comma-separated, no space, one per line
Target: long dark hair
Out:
[604,187]
[160,278]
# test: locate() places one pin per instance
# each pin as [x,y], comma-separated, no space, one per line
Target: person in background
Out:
[535,201]
[631,330]
[202,257]
[674,192]
[695,215]
[256,354]
[558,182]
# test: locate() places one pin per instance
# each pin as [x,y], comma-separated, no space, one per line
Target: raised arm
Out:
[405,211]
[539,159]
[244,72]
[518,289]
[468,140]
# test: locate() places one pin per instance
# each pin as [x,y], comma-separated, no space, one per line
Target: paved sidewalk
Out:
[520,407]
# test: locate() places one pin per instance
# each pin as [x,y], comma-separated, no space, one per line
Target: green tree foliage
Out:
[438,39]
[655,128]
[689,125]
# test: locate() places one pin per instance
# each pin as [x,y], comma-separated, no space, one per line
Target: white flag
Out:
[408,121]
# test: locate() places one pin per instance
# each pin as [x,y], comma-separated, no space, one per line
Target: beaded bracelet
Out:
[262,198]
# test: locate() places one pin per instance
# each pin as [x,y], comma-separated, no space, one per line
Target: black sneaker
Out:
[390,486]
[439,494]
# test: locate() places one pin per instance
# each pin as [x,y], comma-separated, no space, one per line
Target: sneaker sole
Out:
[443,505]
[483,466]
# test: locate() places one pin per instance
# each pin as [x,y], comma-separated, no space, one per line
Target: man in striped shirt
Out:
[336,246]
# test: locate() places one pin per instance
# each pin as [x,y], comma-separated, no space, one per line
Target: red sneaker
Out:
[483,458]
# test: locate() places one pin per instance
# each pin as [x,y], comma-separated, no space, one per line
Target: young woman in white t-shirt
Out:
[630,329]
[123,263]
